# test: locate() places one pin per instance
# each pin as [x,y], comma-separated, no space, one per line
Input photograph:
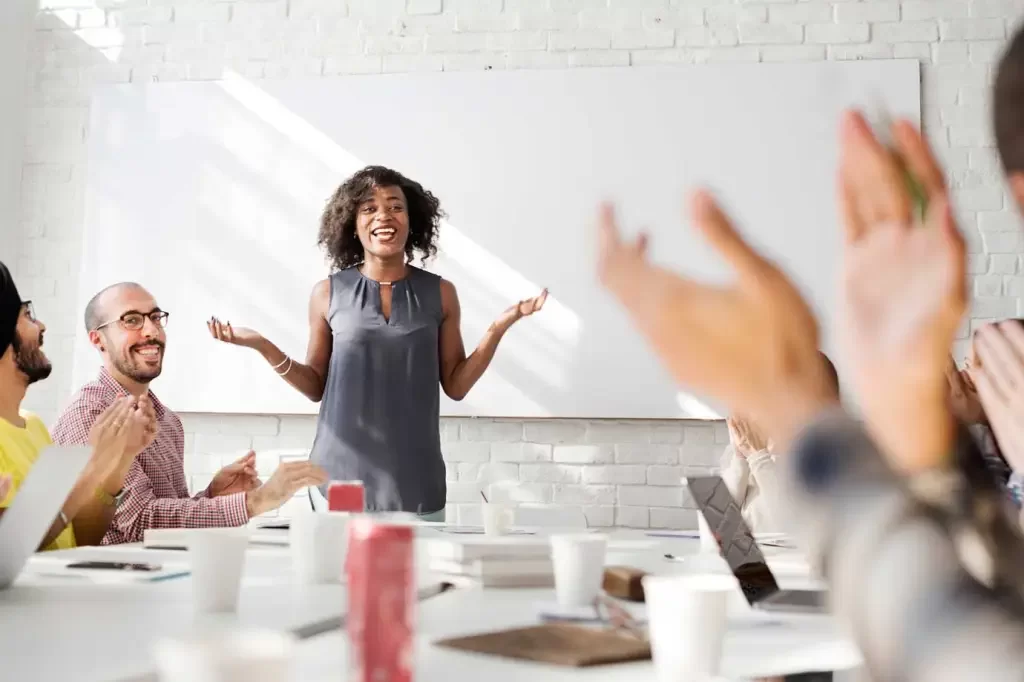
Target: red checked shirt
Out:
[156,494]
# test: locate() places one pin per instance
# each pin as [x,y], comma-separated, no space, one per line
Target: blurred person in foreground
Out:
[884,510]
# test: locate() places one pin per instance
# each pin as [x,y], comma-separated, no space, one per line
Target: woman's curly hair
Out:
[338,223]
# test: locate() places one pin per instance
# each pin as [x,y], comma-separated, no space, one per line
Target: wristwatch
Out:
[108,499]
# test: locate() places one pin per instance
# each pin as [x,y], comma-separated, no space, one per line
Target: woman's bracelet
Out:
[287,369]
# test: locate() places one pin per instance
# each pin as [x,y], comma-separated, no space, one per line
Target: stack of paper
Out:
[515,561]
[177,538]
[104,571]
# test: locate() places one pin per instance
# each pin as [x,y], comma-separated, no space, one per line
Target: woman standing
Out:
[383,334]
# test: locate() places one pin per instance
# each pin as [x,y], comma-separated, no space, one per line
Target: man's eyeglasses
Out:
[134,321]
[26,306]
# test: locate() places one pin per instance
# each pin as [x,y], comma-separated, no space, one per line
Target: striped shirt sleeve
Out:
[141,509]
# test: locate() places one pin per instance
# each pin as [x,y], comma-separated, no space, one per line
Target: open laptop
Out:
[739,549]
[36,504]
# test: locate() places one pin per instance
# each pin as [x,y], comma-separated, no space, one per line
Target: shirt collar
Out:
[108,381]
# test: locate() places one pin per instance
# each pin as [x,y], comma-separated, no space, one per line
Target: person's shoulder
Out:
[322,287]
[449,296]
[425,275]
[81,412]
[93,396]
[35,425]
[446,286]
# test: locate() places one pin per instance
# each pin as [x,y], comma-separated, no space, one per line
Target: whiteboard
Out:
[209,194]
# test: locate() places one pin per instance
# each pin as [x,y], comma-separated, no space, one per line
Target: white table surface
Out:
[755,645]
[63,629]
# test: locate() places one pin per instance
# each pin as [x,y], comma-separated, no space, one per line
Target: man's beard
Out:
[135,372]
[32,362]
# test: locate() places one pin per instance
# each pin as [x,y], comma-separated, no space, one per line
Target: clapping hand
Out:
[110,436]
[144,426]
[752,344]
[746,438]
[903,295]
[999,377]
[288,479]
[238,477]
[964,401]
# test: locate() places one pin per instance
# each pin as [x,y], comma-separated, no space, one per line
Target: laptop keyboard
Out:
[735,541]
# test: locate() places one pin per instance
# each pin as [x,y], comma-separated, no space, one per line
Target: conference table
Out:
[59,628]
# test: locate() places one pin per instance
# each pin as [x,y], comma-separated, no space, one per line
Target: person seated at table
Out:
[120,432]
[748,468]
[966,405]
[127,328]
[890,556]
[995,363]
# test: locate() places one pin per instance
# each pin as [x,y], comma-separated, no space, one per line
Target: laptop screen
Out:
[735,541]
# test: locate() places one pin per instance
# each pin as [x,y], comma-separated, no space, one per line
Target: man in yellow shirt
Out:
[119,434]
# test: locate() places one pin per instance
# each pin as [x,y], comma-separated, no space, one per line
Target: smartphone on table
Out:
[115,566]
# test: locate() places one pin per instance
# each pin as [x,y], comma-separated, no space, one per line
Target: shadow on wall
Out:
[269,174]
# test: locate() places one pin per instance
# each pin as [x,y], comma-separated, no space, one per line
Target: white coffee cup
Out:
[497,518]
[217,556]
[319,544]
[227,656]
[578,561]
[687,618]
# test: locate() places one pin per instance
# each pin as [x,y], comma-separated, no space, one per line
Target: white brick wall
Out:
[618,472]
[15,29]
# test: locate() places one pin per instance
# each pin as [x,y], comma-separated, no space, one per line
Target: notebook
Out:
[556,643]
[177,538]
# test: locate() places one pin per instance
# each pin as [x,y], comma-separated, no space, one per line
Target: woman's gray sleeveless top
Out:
[379,418]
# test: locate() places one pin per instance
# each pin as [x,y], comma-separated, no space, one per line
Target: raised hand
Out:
[143,426]
[288,479]
[238,477]
[746,438]
[524,308]
[238,336]
[964,401]
[903,293]
[752,345]
[999,377]
[110,435]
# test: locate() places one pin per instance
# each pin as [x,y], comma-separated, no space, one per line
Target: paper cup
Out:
[318,544]
[578,561]
[686,617]
[497,518]
[217,556]
[230,656]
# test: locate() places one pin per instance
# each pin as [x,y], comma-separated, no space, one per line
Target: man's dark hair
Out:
[338,223]
[1008,105]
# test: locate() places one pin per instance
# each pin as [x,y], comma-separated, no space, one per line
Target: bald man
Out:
[128,329]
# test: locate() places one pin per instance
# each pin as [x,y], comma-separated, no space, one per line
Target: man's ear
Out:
[96,339]
[1016,183]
